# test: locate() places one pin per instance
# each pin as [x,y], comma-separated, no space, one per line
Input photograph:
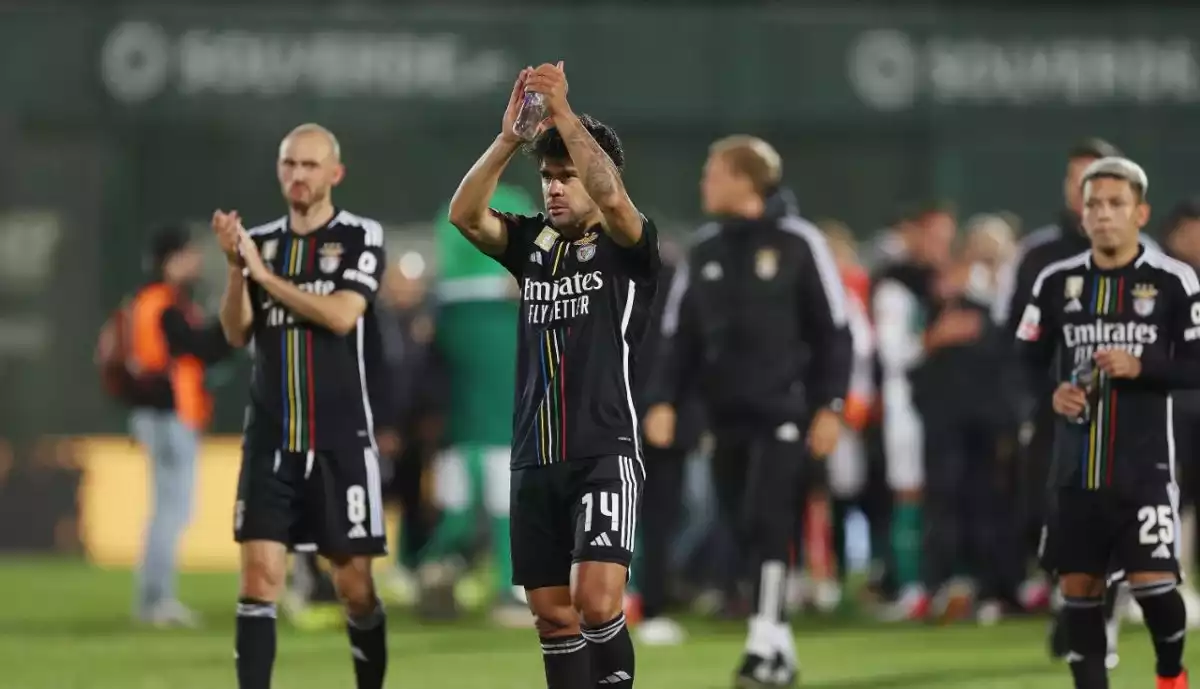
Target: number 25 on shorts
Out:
[1162,517]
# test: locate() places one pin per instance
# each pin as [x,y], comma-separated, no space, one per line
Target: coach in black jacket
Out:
[757,316]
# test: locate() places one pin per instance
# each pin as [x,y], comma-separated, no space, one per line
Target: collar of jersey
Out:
[336,212]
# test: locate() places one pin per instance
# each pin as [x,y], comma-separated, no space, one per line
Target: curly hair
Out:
[550,145]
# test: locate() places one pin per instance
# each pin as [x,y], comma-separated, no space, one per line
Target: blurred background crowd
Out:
[935,134]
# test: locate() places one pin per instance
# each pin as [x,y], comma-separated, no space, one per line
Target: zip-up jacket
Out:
[757,315]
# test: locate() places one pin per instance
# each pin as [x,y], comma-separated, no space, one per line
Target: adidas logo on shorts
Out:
[357,532]
[602,540]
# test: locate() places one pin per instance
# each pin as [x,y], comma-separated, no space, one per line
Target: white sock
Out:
[785,642]
[762,639]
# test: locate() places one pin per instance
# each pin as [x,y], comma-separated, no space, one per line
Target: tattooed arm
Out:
[596,170]
[602,181]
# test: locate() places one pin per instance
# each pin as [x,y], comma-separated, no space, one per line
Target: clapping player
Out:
[303,288]
[587,270]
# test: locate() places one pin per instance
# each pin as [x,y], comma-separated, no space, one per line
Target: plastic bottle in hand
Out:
[531,114]
[1087,377]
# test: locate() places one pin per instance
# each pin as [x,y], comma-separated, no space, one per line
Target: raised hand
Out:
[514,106]
[225,227]
[550,81]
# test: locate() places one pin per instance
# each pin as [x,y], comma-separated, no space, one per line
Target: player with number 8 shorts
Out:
[302,289]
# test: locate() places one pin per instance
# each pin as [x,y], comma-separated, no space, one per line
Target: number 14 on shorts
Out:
[607,509]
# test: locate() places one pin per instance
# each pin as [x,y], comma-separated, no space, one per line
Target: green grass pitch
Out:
[65,626]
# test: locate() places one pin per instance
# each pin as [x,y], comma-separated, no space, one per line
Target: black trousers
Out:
[969,509]
[662,498]
[1034,461]
[405,486]
[760,476]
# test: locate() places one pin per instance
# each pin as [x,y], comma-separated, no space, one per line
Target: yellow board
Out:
[114,497]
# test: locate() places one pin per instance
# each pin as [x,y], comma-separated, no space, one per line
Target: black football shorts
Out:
[328,502]
[583,510]
[1101,532]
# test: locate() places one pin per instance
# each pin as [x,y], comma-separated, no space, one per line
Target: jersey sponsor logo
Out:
[564,298]
[546,239]
[1088,338]
[766,264]
[1143,299]
[331,257]
[1030,328]
[278,315]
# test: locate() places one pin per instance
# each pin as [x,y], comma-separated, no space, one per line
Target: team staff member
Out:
[758,316]
[169,348]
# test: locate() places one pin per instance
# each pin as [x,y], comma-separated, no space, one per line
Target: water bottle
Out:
[531,114]
[1087,377]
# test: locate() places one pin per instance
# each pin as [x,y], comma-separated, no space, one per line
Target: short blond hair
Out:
[753,157]
[335,147]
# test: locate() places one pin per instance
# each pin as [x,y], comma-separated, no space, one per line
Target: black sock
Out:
[1110,600]
[1084,621]
[368,644]
[567,662]
[612,653]
[1166,618]
[255,643]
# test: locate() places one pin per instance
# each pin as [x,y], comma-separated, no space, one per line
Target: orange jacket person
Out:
[168,350]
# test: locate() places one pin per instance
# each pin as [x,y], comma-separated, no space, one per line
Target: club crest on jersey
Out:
[585,252]
[331,257]
[766,264]
[1143,299]
[269,249]
[546,239]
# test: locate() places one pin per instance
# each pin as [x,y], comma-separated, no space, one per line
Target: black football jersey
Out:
[309,386]
[1150,308]
[585,304]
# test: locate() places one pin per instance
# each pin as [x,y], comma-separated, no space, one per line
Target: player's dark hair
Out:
[1094,148]
[550,145]
[1188,209]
